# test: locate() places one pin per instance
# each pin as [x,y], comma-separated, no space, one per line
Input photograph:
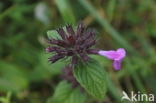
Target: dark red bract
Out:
[75,44]
[69,77]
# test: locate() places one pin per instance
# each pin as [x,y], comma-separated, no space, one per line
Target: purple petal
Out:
[121,52]
[111,54]
[48,50]
[117,64]
[117,56]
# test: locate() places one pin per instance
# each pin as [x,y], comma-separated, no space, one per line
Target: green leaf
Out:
[46,70]
[64,93]
[12,78]
[92,77]
[6,99]
[53,34]
[66,11]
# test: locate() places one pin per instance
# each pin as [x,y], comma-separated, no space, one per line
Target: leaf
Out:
[44,69]
[7,85]
[53,34]
[66,10]
[6,99]
[92,78]
[12,78]
[64,93]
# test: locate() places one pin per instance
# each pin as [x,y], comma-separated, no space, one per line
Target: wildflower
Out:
[117,56]
[75,44]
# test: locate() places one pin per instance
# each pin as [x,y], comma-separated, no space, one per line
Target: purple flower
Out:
[75,44]
[117,56]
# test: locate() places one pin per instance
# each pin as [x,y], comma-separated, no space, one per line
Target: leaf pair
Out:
[90,76]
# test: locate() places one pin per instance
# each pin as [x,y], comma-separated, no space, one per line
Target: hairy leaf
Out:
[65,10]
[92,77]
[64,93]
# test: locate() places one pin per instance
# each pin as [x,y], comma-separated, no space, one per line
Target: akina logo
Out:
[137,97]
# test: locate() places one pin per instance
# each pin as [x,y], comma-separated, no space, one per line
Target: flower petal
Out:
[111,54]
[117,56]
[117,64]
[121,53]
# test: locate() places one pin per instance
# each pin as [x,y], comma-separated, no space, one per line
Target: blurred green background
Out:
[27,77]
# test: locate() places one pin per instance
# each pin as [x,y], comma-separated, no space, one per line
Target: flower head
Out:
[117,56]
[73,43]
[76,44]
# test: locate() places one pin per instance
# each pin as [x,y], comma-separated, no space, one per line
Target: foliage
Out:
[24,68]
[64,93]
[92,77]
